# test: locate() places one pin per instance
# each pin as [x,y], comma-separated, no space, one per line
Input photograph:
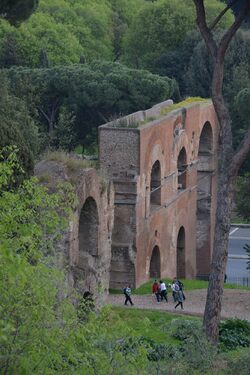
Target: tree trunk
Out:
[229,163]
[212,313]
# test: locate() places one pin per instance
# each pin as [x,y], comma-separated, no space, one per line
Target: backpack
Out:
[176,287]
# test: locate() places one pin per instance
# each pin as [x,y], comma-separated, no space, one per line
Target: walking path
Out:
[235,303]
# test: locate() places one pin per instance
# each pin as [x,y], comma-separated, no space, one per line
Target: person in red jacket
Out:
[155,290]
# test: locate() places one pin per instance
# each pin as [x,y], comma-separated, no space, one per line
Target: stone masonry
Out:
[164,171]
[84,250]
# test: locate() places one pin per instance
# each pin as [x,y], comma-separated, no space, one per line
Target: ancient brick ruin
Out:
[153,214]
[163,168]
[84,250]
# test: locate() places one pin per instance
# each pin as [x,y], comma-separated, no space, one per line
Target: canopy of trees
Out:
[17,11]
[69,31]
[69,102]
[161,27]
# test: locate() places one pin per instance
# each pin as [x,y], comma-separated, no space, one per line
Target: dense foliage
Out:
[17,11]
[161,27]
[17,126]
[242,197]
[41,331]
[68,32]
[234,333]
[69,102]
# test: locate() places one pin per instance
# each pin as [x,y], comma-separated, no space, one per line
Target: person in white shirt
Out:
[163,291]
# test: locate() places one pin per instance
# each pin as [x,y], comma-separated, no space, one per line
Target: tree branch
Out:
[44,114]
[227,37]
[219,17]
[205,31]
[240,154]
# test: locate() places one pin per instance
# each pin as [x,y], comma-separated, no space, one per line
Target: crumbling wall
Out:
[85,246]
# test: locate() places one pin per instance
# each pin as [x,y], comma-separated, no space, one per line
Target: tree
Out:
[17,11]
[230,161]
[198,77]
[86,96]
[243,196]
[160,27]
[17,126]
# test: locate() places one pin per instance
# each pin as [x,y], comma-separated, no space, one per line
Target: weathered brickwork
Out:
[153,214]
[85,247]
[164,176]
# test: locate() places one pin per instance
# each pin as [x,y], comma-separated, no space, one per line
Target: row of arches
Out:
[155,261]
[89,219]
[205,150]
[155,179]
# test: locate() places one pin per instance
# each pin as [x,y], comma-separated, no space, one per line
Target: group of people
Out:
[159,289]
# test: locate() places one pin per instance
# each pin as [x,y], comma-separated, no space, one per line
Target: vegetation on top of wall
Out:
[131,122]
[184,103]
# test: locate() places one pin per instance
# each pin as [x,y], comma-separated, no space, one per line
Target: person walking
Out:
[181,286]
[163,291]
[127,293]
[155,290]
[173,290]
[179,296]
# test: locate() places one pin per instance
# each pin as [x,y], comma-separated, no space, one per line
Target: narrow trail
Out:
[235,303]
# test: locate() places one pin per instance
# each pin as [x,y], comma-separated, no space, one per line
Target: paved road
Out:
[237,257]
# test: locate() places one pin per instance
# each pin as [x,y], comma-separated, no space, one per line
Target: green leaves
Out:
[17,11]
[243,196]
[70,102]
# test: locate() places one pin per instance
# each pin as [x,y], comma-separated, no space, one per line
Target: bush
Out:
[184,329]
[239,362]
[234,333]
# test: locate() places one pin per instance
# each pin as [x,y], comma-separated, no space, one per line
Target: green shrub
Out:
[184,329]
[234,333]
[239,363]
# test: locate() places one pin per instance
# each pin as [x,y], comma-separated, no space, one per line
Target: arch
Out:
[203,210]
[155,263]
[206,140]
[88,228]
[155,184]
[182,169]
[180,254]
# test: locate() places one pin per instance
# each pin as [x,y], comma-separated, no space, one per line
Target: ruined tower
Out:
[163,164]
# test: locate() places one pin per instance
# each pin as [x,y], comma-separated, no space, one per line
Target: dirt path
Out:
[236,303]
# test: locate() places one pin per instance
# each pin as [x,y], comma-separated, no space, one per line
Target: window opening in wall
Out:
[206,140]
[180,254]
[182,169]
[88,228]
[155,184]
[155,263]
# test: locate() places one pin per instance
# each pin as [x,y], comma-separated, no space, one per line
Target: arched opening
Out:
[206,140]
[203,210]
[88,228]
[155,263]
[155,184]
[182,169]
[180,254]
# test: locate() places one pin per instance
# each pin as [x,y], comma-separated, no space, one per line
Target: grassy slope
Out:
[154,325]
[188,285]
